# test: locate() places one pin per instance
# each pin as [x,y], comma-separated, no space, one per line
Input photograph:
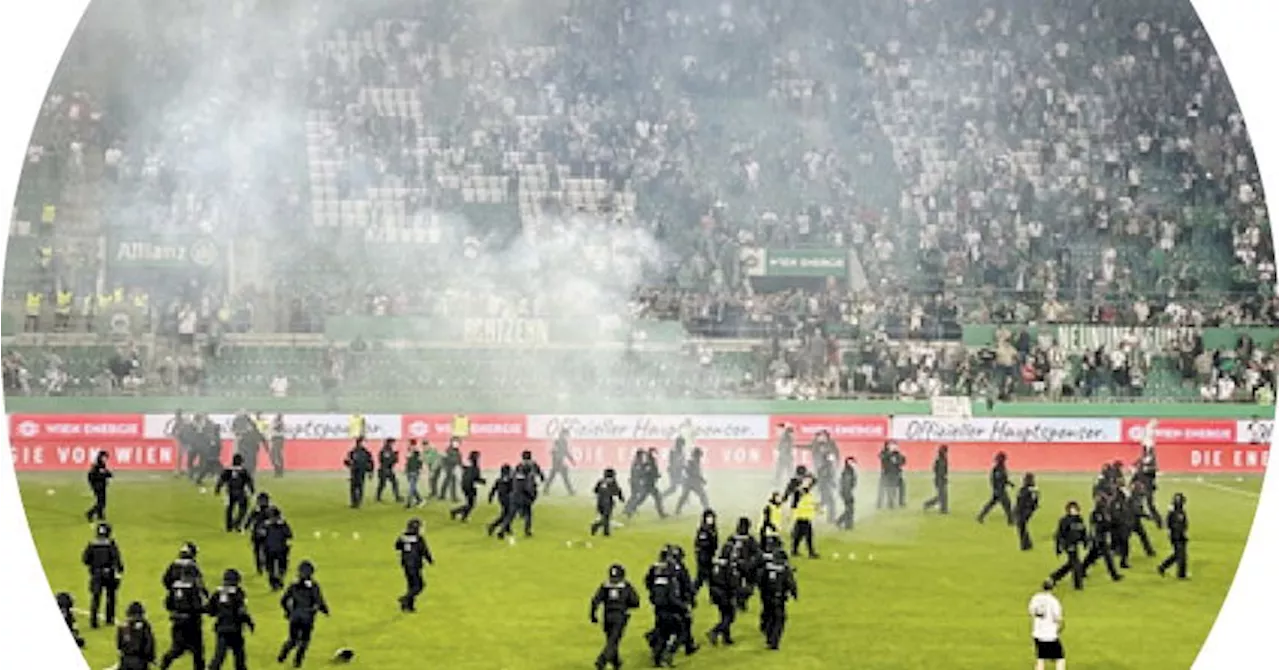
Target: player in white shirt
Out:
[1046,626]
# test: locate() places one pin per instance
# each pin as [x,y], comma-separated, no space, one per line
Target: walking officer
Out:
[618,598]
[102,558]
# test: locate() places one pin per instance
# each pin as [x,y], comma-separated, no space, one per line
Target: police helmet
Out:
[238,459]
[273,512]
[135,610]
[617,572]
[188,550]
[306,569]
[104,530]
[526,455]
[708,515]
[231,577]
[1179,500]
[696,453]
[505,469]
[610,473]
[414,525]
[677,553]
[264,499]
[801,471]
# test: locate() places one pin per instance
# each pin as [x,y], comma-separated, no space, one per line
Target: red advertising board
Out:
[81,427]
[1180,431]
[483,427]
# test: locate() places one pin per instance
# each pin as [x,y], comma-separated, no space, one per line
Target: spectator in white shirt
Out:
[279,386]
[1046,626]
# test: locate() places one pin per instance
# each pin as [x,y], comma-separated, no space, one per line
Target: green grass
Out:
[939,592]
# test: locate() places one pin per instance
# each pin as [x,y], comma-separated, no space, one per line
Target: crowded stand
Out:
[649,199]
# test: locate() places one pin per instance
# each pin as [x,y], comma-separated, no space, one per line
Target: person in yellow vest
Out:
[62,315]
[142,304]
[771,517]
[356,426]
[461,426]
[105,301]
[48,214]
[118,296]
[805,510]
[35,301]
[46,257]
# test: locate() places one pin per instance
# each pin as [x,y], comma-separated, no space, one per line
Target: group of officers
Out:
[731,572]
[746,562]
[189,601]
[198,439]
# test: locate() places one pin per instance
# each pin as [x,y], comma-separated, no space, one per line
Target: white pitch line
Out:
[1219,487]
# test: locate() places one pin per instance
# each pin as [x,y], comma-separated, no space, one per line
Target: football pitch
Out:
[904,590]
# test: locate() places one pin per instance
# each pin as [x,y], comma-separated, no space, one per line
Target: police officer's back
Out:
[301,602]
[102,558]
[230,611]
[618,598]
[134,640]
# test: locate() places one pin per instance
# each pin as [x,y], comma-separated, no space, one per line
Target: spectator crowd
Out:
[1008,162]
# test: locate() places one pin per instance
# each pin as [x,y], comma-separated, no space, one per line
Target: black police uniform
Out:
[302,601]
[561,459]
[670,607]
[1177,523]
[1138,512]
[501,489]
[743,553]
[524,491]
[898,469]
[1123,522]
[693,482]
[618,598]
[884,491]
[472,477]
[941,474]
[102,558]
[210,441]
[135,642]
[848,487]
[359,465]
[689,593]
[99,476]
[705,544]
[675,467]
[1071,535]
[253,523]
[1147,470]
[1102,526]
[230,614]
[723,587]
[608,493]
[777,586]
[414,552]
[387,461]
[66,605]
[185,602]
[276,535]
[1024,508]
[1000,485]
[239,484]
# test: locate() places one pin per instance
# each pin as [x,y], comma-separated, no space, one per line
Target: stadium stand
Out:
[832,217]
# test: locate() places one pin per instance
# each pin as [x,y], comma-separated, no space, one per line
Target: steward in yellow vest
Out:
[461,426]
[806,508]
[356,426]
[62,314]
